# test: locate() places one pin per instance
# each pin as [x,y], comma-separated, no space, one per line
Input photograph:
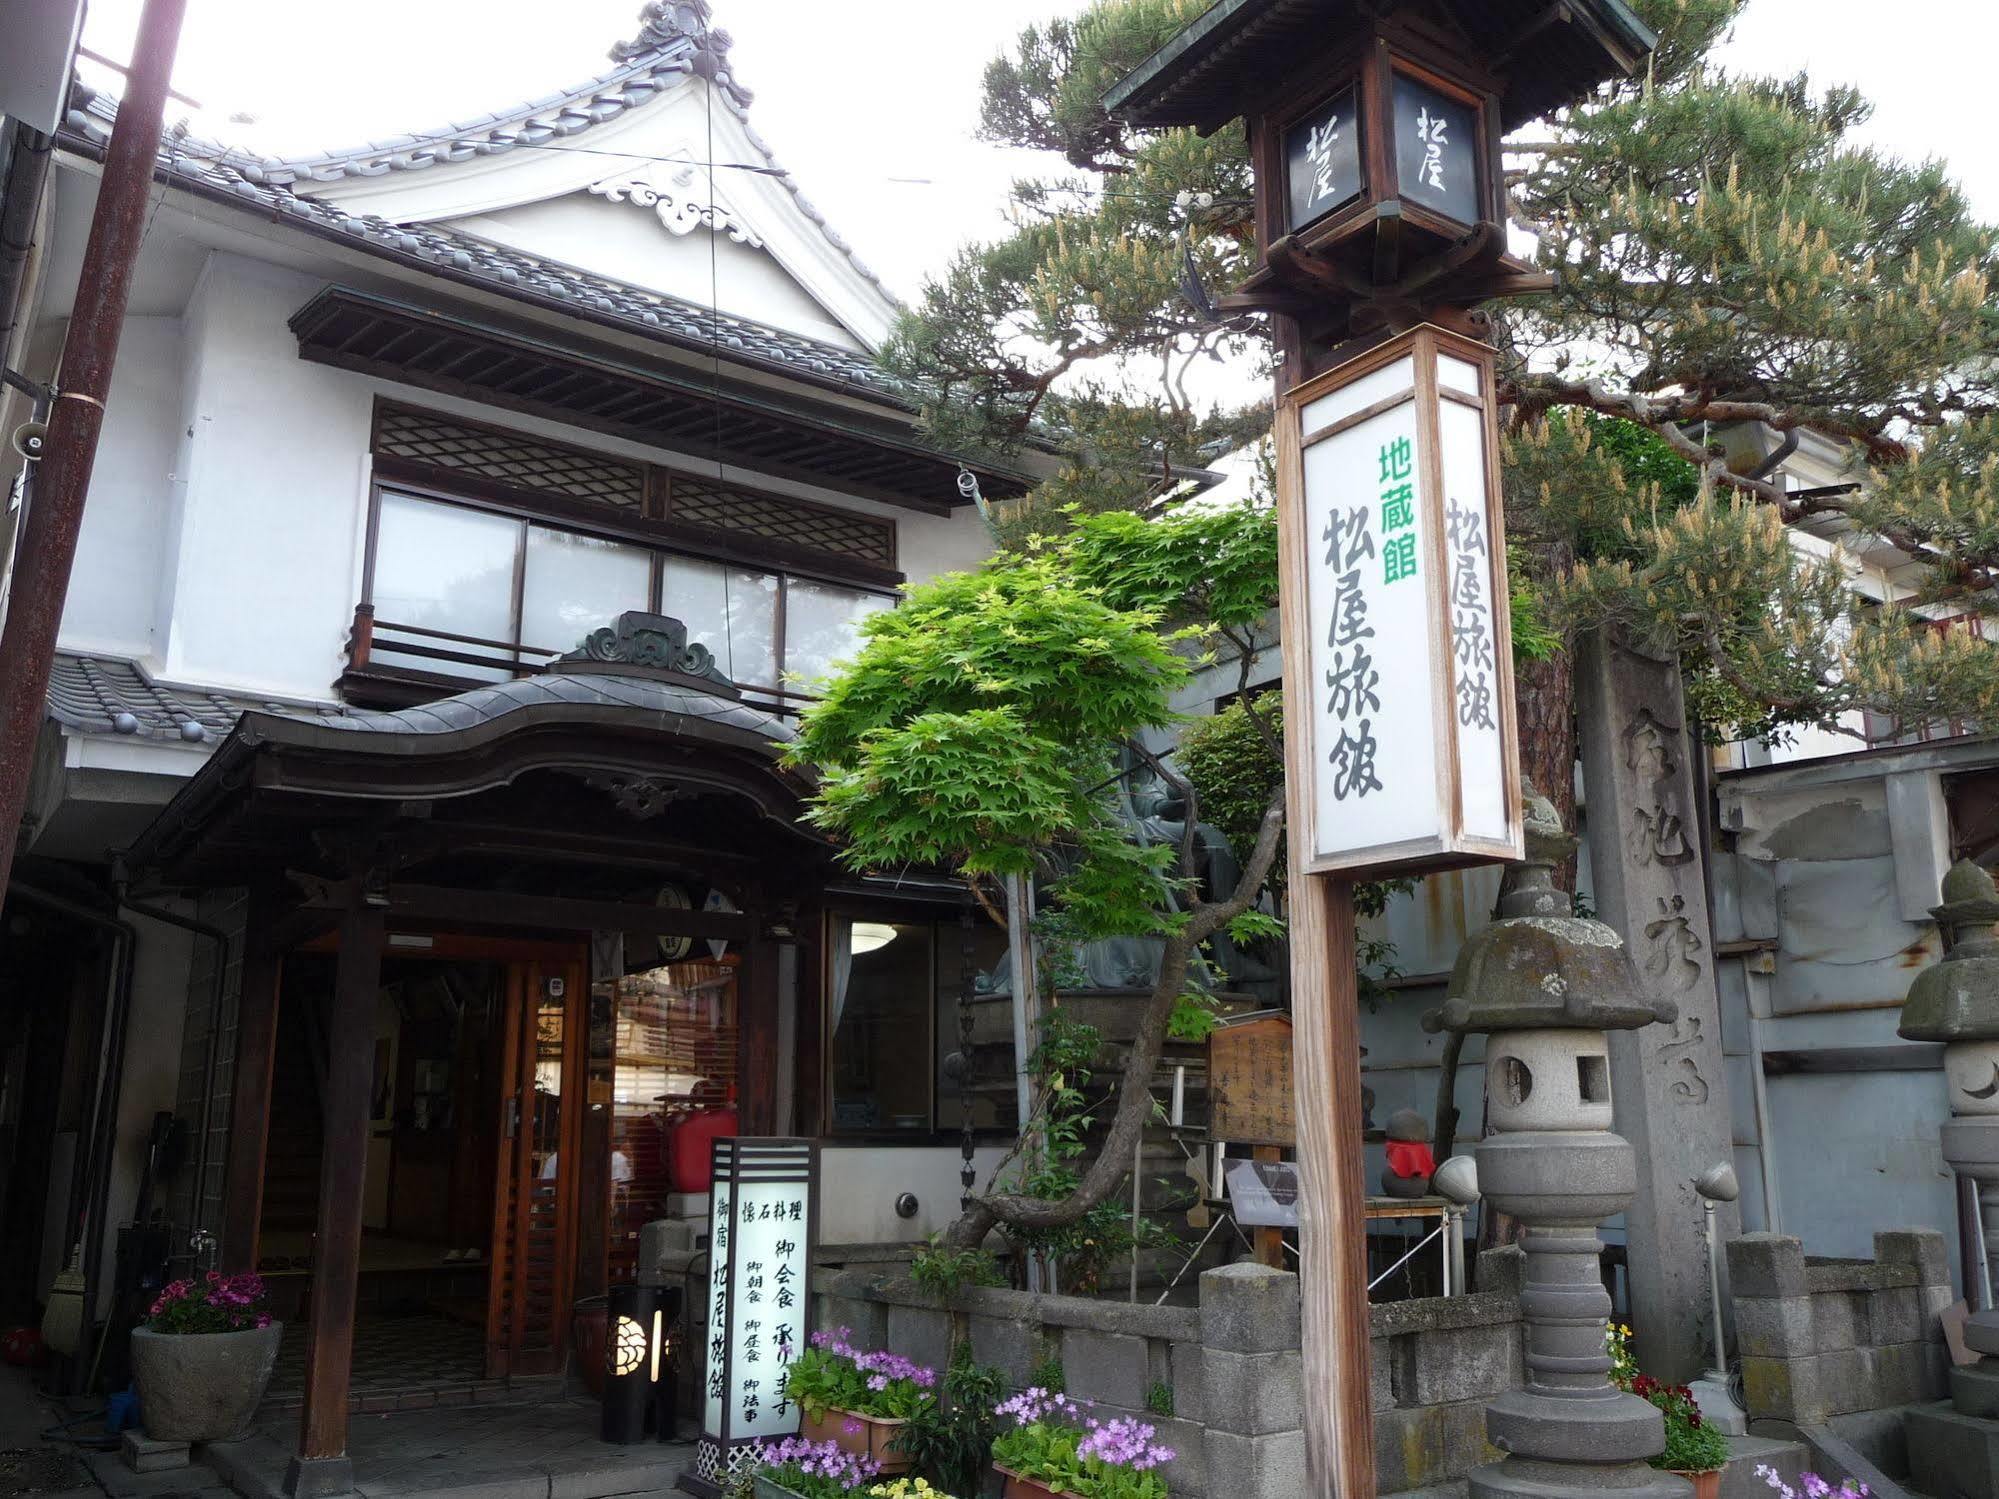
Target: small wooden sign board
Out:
[1249,1081]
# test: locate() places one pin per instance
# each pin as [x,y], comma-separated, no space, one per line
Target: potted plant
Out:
[797,1468]
[951,1439]
[858,1401]
[203,1357]
[1694,1450]
[1053,1448]
[907,1488]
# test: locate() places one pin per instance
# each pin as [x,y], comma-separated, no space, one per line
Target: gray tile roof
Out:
[674,35]
[110,695]
[594,689]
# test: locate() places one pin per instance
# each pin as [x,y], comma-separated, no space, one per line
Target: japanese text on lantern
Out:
[1373,749]
[720,1227]
[768,1271]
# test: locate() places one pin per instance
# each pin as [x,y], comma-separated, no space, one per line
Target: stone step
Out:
[1951,1453]
[1975,1391]
[1747,1453]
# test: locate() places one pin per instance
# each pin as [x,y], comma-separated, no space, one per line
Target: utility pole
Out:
[48,543]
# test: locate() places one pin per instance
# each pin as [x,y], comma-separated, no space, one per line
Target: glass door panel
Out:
[673,1092]
[541,1114]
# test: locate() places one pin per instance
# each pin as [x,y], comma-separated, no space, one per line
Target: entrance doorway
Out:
[469,1241]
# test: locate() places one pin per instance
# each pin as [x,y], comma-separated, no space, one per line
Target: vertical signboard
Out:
[1410,718]
[763,1223]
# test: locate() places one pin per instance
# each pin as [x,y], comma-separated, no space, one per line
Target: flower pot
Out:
[1017,1487]
[770,1488]
[202,1386]
[864,1436]
[1707,1484]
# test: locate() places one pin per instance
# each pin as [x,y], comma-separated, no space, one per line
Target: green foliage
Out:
[952,1442]
[1055,1143]
[1159,1399]
[1729,255]
[1049,1375]
[942,1270]
[836,1377]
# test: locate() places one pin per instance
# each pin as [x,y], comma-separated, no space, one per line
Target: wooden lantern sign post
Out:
[1374,127]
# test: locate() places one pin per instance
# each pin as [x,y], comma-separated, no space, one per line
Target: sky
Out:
[873,104]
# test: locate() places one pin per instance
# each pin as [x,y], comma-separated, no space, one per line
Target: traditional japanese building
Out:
[474,513]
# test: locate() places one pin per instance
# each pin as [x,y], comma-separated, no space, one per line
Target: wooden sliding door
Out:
[539,1187]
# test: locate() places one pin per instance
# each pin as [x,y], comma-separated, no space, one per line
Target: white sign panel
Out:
[762,1224]
[721,1230]
[1483,804]
[769,1269]
[1375,771]
[1406,688]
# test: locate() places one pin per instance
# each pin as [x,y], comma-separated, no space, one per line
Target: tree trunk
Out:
[1547,711]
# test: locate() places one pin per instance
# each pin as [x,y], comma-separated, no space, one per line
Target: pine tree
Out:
[1726,255]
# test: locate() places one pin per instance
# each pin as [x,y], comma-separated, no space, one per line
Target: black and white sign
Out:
[1322,159]
[1436,150]
[762,1224]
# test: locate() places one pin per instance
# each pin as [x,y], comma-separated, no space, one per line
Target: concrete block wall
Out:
[1233,1365]
[1823,1338]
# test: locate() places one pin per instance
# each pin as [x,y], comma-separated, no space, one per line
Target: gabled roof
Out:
[675,42]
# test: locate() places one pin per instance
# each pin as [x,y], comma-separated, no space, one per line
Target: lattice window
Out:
[700,502]
[427,437]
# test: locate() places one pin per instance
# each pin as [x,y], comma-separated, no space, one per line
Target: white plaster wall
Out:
[265,576]
[627,242]
[112,602]
[227,523]
[858,1186]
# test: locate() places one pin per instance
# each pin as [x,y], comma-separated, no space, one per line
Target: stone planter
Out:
[202,1387]
[1707,1485]
[1017,1487]
[870,1441]
[770,1488]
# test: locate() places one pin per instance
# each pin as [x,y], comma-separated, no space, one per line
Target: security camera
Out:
[30,438]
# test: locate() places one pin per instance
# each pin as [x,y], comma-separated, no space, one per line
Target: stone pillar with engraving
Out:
[1954,1449]
[1648,881]
[1548,988]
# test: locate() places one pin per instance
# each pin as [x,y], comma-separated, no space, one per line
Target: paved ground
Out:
[546,1450]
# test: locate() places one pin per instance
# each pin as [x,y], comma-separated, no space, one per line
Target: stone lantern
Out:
[1956,1002]
[1546,986]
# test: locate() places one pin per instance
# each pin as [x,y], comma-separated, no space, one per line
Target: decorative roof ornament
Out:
[671,191]
[655,643]
[666,24]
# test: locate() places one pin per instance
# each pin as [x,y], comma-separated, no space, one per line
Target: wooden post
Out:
[756,1063]
[250,1095]
[1325,1063]
[321,1466]
[1332,1236]
[1269,1241]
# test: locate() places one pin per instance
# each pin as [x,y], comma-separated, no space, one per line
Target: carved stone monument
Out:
[1547,986]
[1648,882]
[1955,1449]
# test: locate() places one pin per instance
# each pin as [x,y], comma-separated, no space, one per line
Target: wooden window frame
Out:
[526,516]
[652,522]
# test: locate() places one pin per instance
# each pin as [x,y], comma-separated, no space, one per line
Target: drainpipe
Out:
[27,172]
[111,1078]
[218,974]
